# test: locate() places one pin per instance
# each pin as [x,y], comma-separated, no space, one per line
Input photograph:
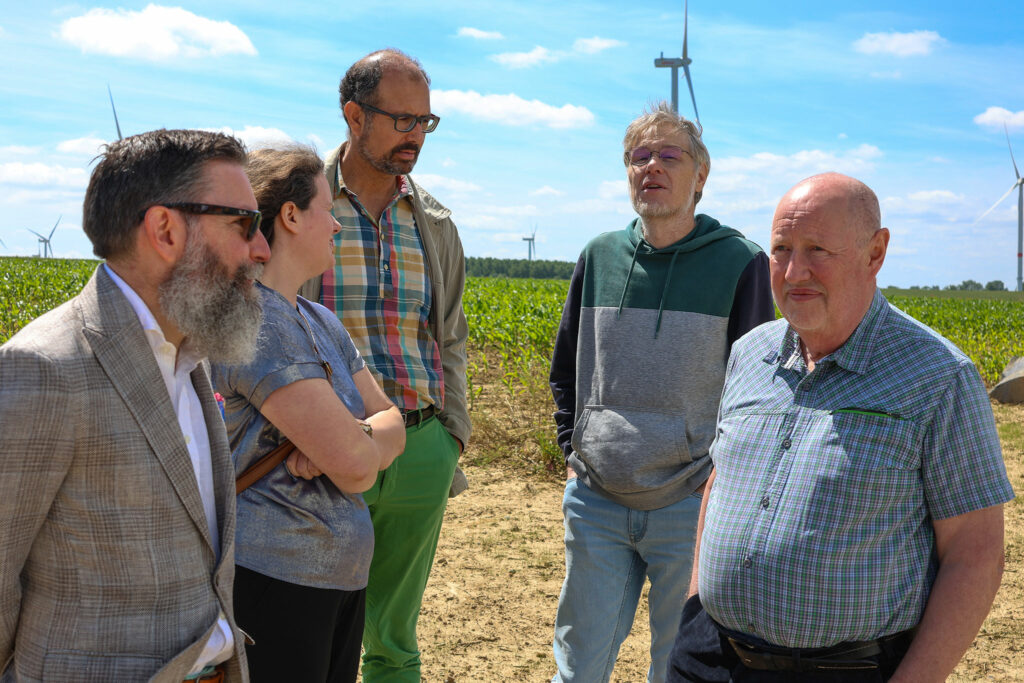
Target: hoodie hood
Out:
[705,231]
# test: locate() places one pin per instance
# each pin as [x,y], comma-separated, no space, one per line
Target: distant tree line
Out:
[965,286]
[518,267]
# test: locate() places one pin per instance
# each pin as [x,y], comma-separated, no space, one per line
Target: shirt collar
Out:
[855,353]
[184,357]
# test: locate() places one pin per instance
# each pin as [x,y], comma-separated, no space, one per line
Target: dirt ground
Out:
[490,605]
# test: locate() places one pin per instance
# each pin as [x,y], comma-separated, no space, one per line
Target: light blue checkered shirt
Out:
[818,529]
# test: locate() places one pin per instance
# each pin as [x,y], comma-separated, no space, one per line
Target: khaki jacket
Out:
[446,266]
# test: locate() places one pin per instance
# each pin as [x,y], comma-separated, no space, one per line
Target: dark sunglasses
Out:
[640,156]
[406,122]
[250,219]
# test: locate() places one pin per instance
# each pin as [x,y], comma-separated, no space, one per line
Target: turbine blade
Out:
[686,21]
[2,244]
[114,109]
[689,83]
[995,205]
[1007,131]
[35,233]
[55,226]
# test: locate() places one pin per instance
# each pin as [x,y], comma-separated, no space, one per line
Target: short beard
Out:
[386,164]
[219,315]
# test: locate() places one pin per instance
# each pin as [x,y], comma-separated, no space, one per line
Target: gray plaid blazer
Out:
[107,571]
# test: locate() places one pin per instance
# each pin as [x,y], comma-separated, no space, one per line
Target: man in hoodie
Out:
[637,372]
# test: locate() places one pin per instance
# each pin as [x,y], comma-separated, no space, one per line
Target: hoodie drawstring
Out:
[664,290]
[622,299]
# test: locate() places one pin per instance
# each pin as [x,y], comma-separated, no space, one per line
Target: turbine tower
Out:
[530,247]
[44,242]
[675,63]
[1019,186]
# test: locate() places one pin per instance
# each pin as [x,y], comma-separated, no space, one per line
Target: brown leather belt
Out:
[215,676]
[415,417]
[849,656]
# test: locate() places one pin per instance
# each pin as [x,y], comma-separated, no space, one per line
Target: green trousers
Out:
[406,505]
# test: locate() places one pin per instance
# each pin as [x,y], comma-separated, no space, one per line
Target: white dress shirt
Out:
[176,370]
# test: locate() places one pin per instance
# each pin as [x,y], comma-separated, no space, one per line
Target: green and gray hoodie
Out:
[640,356]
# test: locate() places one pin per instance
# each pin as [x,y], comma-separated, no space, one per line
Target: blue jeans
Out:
[609,551]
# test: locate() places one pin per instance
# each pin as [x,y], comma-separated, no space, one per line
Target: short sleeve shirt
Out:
[818,528]
[304,532]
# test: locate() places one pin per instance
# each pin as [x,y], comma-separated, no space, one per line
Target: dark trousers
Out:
[702,654]
[301,633]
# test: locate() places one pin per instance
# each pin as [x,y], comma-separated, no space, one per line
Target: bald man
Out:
[853,527]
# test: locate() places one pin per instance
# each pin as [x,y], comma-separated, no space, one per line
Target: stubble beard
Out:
[218,314]
[386,163]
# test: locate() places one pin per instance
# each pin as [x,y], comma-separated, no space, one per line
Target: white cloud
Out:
[523,60]
[316,141]
[809,162]
[17,173]
[18,150]
[469,32]
[590,46]
[887,75]
[899,44]
[546,191]
[445,184]
[613,189]
[935,196]
[448,162]
[842,136]
[86,146]
[255,137]
[995,117]
[156,33]
[510,109]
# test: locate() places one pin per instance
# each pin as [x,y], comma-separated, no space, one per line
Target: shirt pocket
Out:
[627,450]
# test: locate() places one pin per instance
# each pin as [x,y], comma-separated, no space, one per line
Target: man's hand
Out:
[301,466]
[570,473]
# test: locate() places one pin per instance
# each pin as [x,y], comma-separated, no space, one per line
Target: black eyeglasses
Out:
[641,156]
[406,122]
[250,222]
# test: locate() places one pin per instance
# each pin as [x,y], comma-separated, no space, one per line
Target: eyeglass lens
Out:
[639,156]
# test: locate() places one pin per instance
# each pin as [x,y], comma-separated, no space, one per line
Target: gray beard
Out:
[219,315]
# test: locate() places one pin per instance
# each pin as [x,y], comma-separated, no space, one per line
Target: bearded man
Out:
[397,287]
[116,482]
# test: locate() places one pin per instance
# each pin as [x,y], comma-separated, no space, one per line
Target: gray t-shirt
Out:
[304,532]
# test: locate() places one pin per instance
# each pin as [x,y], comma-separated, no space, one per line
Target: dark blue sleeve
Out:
[563,361]
[752,304]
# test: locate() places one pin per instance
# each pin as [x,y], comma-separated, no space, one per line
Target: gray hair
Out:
[661,115]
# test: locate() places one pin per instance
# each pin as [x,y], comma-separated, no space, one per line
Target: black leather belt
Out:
[849,656]
[414,417]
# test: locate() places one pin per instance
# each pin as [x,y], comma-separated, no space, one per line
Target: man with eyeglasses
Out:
[397,287]
[116,483]
[636,374]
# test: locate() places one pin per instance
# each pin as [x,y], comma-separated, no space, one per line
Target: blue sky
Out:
[534,97]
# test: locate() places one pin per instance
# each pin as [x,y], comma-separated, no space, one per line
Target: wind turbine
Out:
[675,62]
[530,244]
[1019,186]
[114,109]
[44,242]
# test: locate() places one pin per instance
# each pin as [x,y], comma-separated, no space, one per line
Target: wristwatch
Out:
[367,428]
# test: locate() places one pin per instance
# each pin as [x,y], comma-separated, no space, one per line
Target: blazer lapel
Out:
[119,343]
[220,456]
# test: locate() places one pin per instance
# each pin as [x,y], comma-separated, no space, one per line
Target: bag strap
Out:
[263,466]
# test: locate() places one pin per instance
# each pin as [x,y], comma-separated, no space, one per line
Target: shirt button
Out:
[786,443]
[765,502]
[747,563]
[387,267]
